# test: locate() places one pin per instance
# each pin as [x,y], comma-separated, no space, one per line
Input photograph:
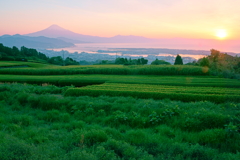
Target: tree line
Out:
[27,54]
[22,54]
[125,61]
[221,64]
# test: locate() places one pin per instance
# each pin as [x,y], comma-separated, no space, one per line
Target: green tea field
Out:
[109,112]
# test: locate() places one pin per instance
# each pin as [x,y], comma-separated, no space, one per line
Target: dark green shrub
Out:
[125,150]
[191,124]
[80,155]
[114,132]
[49,102]
[52,115]
[22,97]
[77,124]
[8,58]
[213,137]
[199,152]
[212,120]
[15,149]
[34,100]
[23,120]
[103,154]
[94,136]
[136,137]
[65,117]
[13,127]
[165,130]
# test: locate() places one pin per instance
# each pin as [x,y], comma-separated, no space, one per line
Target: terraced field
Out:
[174,87]
[77,80]
[43,69]
[133,115]
[182,93]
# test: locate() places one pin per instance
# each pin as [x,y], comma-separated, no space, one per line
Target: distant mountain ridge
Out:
[55,31]
[33,42]
[58,37]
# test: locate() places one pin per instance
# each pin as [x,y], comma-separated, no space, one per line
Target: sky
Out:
[199,19]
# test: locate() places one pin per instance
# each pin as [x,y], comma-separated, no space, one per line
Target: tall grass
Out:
[40,123]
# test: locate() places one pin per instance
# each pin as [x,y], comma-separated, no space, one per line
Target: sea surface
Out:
[94,47]
[131,49]
[141,49]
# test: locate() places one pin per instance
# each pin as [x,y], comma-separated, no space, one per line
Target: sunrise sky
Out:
[149,18]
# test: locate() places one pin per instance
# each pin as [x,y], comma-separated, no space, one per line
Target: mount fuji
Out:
[55,31]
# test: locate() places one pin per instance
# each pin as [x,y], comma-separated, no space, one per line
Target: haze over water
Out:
[95,47]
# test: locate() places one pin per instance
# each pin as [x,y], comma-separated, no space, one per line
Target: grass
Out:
[182,93]
[38,122]
[43,69]
[30,64]
[145,112]
[63,80]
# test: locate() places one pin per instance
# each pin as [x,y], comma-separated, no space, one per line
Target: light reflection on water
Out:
[117,49]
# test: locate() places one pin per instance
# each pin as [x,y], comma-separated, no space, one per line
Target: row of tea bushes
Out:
[109,70]
[82,80]
[185,94]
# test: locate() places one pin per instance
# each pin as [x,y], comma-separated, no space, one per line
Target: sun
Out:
[221,33]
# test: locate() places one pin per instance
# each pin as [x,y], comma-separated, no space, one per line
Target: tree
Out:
[56,60]
[237,67]
[160,62]
[15,51]
[42,56]
[193,63]
[70,61]
[215,54]
[119,60]
[178,60]
[24,54]
[125,61]
[143,61]
[204,62]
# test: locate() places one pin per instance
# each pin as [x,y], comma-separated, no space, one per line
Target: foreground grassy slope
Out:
[38,122]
